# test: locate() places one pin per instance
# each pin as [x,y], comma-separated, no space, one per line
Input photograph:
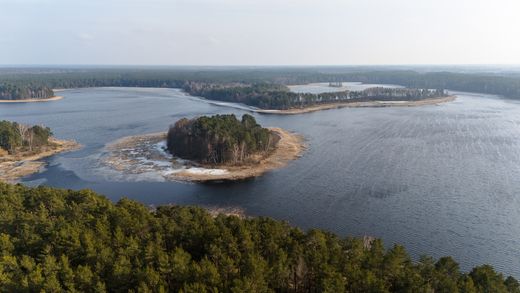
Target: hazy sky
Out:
[259,32]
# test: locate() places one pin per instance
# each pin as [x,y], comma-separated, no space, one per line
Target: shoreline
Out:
[55,98]
[367,104]
[289,147]
[14,167]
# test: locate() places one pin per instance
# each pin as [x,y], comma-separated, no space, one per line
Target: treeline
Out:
[54,240]
[219,139]
[40,81]
[508,86]
[20,92]
[16,136]
[273,96]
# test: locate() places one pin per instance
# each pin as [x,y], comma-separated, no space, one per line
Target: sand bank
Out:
[55,98]
[368,104]
[14,167]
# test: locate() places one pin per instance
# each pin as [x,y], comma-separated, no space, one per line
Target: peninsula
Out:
[359,104]
[22,147]
[278,99]
[32,100]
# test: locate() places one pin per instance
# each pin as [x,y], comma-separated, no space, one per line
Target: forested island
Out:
[55,240]
[220,140]
[21,146]
[215,148]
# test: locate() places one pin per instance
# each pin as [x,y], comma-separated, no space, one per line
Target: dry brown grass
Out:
[16,166]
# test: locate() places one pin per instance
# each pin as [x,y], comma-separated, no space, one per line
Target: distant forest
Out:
[55,240]
[268,84]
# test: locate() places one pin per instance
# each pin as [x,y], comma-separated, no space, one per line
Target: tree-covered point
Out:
[274,96]
[16,136]
[54,240]
[219,139]
[21,92]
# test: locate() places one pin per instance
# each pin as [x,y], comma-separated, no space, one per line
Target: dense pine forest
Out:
[54,240]
[13,92]
[272,96]
[219,139]
[16,136]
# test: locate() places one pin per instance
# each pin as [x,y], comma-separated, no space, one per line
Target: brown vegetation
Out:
[16,166]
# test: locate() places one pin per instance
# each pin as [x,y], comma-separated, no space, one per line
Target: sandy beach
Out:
[125,155]
[369,104]
[14,167]
[55,98]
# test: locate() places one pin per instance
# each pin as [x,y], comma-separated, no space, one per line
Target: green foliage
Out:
[10,138]
[24,91]
[273,96]
[54,240]
[14,136]
[218,139]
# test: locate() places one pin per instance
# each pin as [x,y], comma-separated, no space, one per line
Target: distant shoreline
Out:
[55,98]
[14,167]
[289,147]
[367,104]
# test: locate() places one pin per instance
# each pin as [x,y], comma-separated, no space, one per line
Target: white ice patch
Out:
[204,171]
[151,161]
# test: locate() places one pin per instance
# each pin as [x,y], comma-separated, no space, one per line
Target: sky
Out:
[259,32]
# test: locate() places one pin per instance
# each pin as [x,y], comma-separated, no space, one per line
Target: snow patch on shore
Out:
[149,160]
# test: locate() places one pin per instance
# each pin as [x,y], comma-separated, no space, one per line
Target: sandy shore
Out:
[369,104]
[289,147]
[55,98]
[14,167]
[125,155]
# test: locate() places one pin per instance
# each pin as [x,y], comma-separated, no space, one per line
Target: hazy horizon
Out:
[259,33]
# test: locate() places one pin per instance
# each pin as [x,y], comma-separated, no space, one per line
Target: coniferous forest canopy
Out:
[55,240]
[219,139]
[261,87]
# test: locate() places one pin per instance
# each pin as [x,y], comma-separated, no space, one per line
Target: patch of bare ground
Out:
[23,163]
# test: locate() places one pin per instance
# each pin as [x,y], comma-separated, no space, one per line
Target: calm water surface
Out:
[442,180]
[323,87]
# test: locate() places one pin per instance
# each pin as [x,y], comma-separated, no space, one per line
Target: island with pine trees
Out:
[208,148]
[23,146]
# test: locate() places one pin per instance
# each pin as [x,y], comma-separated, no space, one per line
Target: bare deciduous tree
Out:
[23,131]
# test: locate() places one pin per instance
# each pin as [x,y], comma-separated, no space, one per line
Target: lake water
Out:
[323,87]
[442,180]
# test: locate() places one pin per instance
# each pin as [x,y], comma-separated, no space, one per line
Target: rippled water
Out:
[442,180]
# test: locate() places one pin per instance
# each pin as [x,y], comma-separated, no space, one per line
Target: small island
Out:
[216,148]
[23,146]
